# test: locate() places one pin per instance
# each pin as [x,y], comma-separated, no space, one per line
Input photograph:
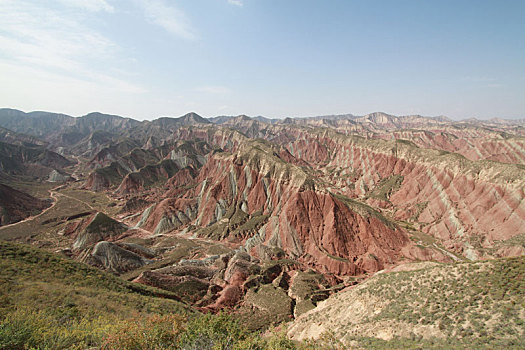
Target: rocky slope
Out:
[142,168]
[15,138]
[255,198]
[470,207]
[447,196]
[36,162]
[472,143]
[476,140]
[98,227]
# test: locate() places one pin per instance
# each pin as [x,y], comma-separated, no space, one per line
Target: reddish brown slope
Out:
[256,198]
[456,200]
[473,144]
[470,207]
[16,205]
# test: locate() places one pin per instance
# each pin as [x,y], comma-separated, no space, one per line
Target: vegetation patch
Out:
[386,187]
[49,302]
[466,300]
[364,209]
[40,280]
[470,305]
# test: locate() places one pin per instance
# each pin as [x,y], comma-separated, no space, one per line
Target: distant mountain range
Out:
[43,123]
[86,136]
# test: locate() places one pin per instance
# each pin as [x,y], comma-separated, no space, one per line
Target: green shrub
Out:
[154,332]
[202,332]
[26,329]
[214,332]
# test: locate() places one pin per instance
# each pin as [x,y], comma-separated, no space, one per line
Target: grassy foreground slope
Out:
[47,301]
[37,279]
[462,305]
[50,302]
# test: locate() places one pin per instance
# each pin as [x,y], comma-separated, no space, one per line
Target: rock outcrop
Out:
[272,291]
[99,227]
[115,258]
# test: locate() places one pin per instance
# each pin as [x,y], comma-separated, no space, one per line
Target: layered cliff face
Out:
[311,191]
[255,198]
[141,169]
[473,208]
[34,161]
[472,143]
[465,204]
[476,140]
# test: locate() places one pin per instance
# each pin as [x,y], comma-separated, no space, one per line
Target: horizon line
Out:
[272,118]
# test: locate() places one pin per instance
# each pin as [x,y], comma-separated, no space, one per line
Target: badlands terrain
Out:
[372,231]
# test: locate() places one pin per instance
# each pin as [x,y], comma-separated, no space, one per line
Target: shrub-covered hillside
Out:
[50,302]
[462,305]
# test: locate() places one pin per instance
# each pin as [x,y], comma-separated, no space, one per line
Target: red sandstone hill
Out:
[471,207]
[260,193]
[341,193]
[255,198]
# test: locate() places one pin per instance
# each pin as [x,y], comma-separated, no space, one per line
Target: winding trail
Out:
[78,200]
[54,195]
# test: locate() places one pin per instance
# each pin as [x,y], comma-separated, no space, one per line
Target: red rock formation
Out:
[473,144]
[309,223]
[448,196]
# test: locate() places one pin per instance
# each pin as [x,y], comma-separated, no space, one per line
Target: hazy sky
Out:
[277,58]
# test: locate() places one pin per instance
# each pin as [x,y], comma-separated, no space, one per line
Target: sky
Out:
[276,58]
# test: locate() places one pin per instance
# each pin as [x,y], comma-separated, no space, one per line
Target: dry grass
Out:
[464,305]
